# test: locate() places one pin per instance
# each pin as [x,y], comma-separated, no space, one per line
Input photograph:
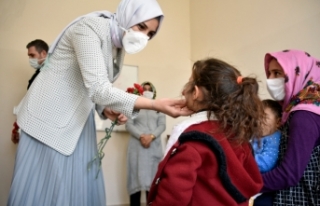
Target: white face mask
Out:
[134,41]
[34,62]
[148,94]
[276,88]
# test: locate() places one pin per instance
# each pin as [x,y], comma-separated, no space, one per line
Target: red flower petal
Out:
[130,90]
[137,86]
[141,91]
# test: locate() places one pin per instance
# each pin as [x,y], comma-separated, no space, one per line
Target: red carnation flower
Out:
[137,89]
[141,90]
[137,86]
[130,90]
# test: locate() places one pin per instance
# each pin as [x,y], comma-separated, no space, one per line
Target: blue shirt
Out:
[266,155]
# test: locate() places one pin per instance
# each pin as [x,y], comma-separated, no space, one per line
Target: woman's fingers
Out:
[113,115]
[172,107]
[111,112]
[122,119]
[185,112]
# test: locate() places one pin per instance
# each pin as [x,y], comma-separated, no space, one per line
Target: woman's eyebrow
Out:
[275,69]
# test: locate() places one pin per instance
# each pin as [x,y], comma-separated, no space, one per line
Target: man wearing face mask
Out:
[144,150]
[37,53]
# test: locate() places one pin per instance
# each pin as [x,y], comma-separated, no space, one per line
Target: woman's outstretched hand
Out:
[171,107]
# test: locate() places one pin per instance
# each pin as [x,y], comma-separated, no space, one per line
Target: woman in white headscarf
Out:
[58,137]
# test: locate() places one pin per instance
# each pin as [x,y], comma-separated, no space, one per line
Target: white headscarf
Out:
[128,14]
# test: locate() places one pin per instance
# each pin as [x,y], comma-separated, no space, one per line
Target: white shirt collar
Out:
[179,128]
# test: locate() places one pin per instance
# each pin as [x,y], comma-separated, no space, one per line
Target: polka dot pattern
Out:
[266,154]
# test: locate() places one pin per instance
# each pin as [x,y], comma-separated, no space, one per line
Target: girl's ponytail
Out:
[233,99]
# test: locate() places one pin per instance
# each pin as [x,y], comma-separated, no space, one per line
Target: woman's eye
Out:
[141,27]
[150,35]
[277,73]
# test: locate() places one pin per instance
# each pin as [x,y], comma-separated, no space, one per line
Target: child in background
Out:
[212,161]
[266,150]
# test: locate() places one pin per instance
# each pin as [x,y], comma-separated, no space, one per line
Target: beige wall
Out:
[237,31]
[241,32]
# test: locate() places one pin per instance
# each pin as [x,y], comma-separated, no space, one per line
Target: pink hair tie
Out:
[239,79]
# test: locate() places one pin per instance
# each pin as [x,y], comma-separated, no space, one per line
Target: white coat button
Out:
[174,151]
[158,180]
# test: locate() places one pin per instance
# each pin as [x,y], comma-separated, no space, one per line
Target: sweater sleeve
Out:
[297,156]
[178,178]
[99,109]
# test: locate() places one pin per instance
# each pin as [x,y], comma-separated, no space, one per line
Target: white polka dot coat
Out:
[75,77]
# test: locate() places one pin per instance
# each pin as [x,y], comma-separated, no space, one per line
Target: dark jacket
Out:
[33,77]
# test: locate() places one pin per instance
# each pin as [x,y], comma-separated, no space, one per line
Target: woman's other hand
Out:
[122,119]
[113,115]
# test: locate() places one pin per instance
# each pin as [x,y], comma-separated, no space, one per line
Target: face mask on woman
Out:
[276,88]
[148,94]
[134,41]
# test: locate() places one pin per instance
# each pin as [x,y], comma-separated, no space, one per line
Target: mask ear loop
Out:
[123,29]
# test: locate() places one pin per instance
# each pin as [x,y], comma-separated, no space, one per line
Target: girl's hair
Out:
[275,107]
[231,98]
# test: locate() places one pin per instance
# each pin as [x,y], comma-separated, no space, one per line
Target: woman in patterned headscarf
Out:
[294,81]
[56,116]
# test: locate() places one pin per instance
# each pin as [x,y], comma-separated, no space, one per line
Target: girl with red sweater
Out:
[212,161]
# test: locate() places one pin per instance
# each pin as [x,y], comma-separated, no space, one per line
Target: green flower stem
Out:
[102,143]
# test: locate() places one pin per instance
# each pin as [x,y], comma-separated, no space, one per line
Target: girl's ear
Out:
[197,93]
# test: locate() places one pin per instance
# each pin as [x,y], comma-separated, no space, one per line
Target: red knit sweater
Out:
[202,169]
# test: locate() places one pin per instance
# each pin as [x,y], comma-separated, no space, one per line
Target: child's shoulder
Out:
[276,134]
